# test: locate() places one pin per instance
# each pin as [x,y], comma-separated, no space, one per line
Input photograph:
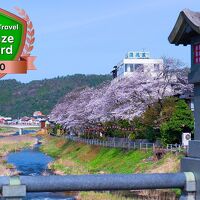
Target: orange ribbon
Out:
[17,67]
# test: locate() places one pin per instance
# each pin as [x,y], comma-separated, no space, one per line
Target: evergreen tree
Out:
[182,120]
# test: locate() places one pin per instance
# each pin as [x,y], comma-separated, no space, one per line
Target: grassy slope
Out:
[80,158]
[6,130]
[77,158]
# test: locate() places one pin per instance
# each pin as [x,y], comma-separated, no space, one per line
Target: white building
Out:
[137,59]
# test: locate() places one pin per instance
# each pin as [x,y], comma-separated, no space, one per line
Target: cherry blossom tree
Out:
[122,98]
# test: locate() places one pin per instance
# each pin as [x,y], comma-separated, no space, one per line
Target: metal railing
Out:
[18,186]
[127,144]
[175,148]
[114,143]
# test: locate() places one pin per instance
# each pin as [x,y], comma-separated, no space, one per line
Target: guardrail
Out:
[114,143]
[127,144]
[176,148]
[16,187]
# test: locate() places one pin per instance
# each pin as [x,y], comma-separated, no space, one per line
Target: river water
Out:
[32,162]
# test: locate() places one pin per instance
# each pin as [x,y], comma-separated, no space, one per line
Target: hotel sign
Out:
[16,43]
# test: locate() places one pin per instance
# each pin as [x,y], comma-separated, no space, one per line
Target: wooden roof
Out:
[186,27]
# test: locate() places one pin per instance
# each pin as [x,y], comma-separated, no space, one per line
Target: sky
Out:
[90,37]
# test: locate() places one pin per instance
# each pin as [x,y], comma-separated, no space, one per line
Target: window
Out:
[121,69]
[196,50]
[139,67]
[128,67]
[131,67]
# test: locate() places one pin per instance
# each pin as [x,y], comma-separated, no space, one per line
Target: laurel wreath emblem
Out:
[30,39]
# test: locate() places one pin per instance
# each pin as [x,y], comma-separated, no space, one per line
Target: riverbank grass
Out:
[100,196]
[6,131]
[78,158]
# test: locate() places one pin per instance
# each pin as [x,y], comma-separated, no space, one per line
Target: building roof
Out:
[186,27]
[37,114]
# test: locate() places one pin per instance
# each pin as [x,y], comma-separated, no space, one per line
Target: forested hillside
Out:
[19,99]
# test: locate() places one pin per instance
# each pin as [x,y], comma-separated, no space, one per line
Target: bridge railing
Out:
[16,187]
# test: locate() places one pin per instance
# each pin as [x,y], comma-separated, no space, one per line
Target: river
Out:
[31,162]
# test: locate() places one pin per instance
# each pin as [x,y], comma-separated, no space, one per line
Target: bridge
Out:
[19,126]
